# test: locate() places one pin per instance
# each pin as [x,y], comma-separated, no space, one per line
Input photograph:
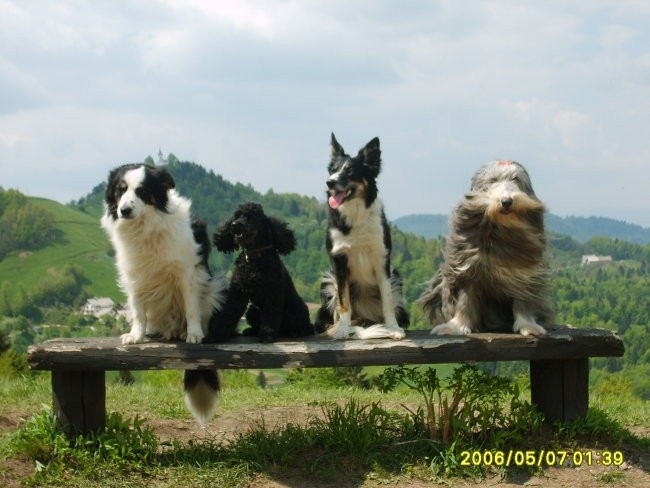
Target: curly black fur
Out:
[260,281]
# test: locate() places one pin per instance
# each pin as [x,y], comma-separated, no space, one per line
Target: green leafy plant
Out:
[471,405]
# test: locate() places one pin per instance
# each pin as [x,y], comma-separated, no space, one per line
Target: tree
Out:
[5,344]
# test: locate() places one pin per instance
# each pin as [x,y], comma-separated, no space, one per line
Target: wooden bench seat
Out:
[559,369]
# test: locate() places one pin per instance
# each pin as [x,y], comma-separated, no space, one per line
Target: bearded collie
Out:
[494,276]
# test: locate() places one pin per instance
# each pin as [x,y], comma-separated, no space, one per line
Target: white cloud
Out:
[575,128]
[616,36]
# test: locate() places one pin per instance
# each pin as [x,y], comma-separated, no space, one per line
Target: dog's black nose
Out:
[331,183]
[506,202]
[126,212]
[237,227]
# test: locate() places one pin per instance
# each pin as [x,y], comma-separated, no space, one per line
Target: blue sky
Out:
[252,90]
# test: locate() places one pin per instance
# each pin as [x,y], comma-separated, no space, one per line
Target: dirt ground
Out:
[635,471]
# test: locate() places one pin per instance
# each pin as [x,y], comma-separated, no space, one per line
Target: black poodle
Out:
[259,278]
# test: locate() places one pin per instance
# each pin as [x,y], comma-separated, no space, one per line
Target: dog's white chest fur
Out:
[159,270]
[364,244]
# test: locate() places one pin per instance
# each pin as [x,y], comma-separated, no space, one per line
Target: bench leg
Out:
[79,399]
[559,388]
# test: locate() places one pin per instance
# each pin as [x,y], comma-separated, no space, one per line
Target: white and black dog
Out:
[362,295]
[494,276]
[162,262]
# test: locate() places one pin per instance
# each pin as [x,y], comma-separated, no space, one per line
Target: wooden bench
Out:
[559,363]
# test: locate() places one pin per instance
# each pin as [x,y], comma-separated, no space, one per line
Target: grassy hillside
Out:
[79,241]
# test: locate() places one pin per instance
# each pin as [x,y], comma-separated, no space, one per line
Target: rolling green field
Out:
[80,241]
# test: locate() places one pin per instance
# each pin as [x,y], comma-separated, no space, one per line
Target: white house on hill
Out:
[588,259]
[98,306]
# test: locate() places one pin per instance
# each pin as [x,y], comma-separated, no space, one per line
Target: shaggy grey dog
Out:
[494,277]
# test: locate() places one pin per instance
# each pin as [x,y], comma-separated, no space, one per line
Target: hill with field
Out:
[76,241]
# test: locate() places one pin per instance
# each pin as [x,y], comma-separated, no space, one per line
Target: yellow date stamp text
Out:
[541,458]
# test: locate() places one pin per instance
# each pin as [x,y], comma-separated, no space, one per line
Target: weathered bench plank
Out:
[559,366]
[419,347]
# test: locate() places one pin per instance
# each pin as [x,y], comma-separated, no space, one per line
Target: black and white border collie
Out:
[361,298]
[162,263]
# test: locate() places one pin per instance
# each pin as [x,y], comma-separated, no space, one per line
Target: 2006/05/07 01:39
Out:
[541,458]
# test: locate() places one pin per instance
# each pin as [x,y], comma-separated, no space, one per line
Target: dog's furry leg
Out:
[138,325]
[190,292]
[461,322]
[525,324]
[392,329]
[343,328]
[270,317]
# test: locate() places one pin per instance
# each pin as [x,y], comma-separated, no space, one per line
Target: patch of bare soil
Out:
[13,470]
[226,425]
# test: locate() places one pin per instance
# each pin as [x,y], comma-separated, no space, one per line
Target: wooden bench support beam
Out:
[79,399]
[560,388]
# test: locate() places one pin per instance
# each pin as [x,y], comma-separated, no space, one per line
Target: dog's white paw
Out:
[343,329]
[380,331]
[528,328]
[194,338]
[396,332]
[453,327]
[131,338]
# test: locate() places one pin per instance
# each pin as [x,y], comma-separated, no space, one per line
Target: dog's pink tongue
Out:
[336,199]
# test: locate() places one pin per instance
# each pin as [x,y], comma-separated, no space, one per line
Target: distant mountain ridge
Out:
[430,226]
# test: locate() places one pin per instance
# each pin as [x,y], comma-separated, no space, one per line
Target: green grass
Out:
[80,241]
[349,432]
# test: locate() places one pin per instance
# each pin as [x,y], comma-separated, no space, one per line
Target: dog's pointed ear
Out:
[371,155]
[223,239]
[284,239]
[337,149]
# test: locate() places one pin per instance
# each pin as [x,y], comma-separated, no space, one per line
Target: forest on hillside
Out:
[23,226]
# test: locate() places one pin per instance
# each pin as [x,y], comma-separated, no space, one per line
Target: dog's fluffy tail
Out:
[432,300]
[218,287]
[201,388]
